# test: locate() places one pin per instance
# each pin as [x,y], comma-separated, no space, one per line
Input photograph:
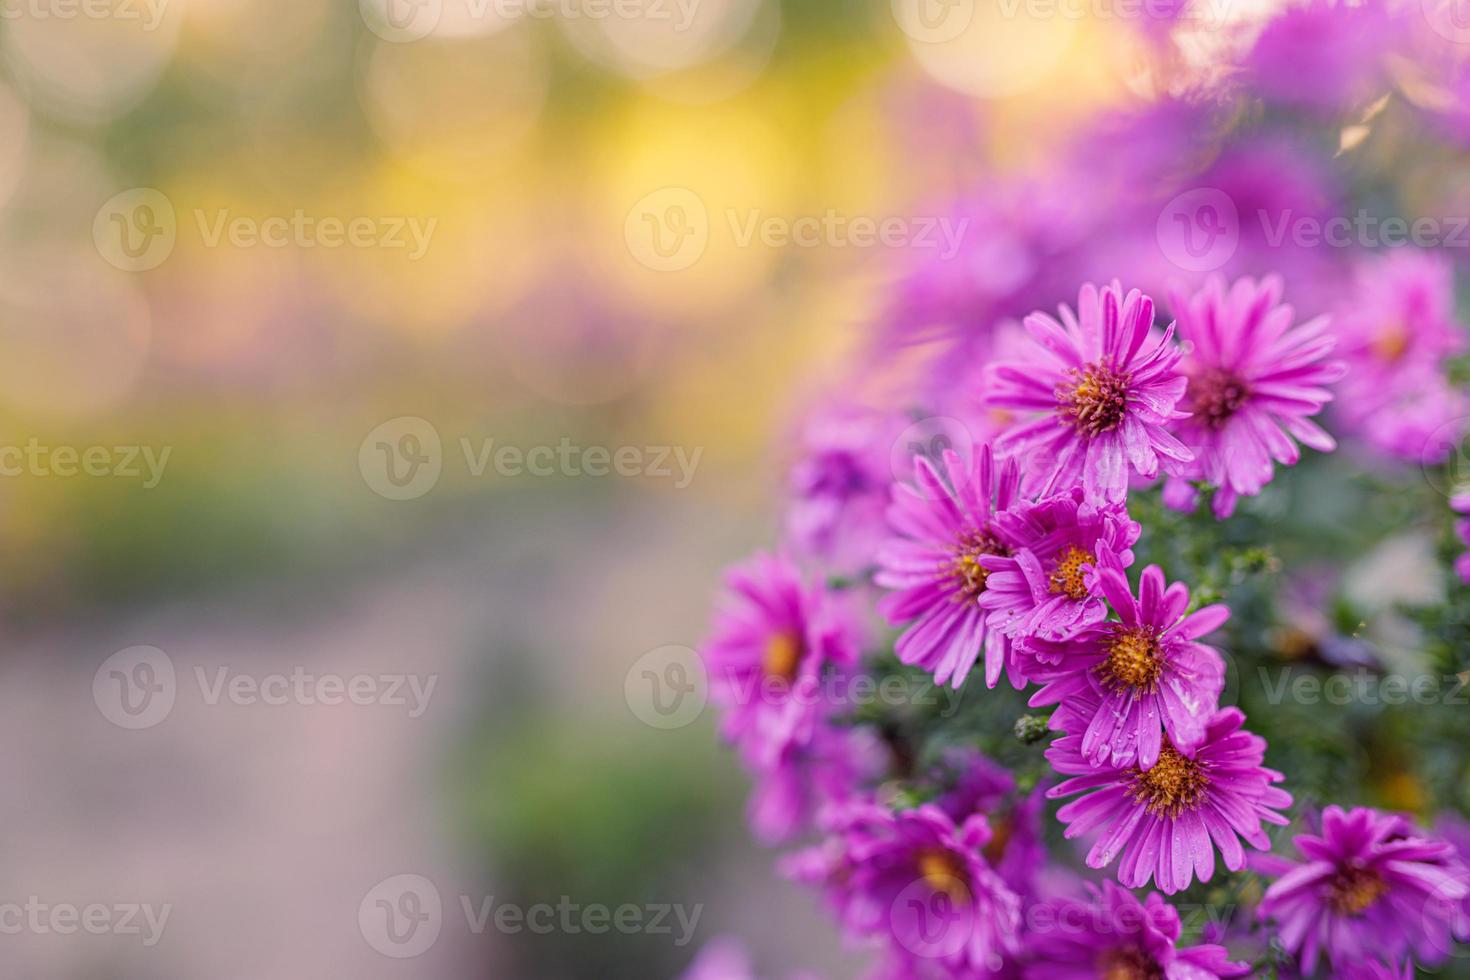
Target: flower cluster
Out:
[1074,521]
[1460,504]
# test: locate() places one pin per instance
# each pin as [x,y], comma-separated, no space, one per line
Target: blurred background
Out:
[382,384]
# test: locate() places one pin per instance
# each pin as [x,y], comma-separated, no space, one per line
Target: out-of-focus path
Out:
[262,827]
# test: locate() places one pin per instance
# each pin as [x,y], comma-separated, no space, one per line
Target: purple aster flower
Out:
[976,784]
[1395,332]
[1104,386]
[774,636]
[1402,312]
[1326,55]
[917,881]
[1254,380]
[1307,625]
[1376,970]
[1462,567]
[1146,671]
[1455,830]
[1115,935]
[1460,504]
[799,779]
[933,564]
[1047,589]
[726,958]
[1419,416]
[839,486]
[1369,887]
[1162,820]
[1017,848]
[722,958]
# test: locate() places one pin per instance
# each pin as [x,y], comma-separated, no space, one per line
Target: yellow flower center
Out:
[966,567]
[1066,578]
[1354,890]
[1094,399]
[1216,395]
[783,655]
[1174,784]
[1129,964]
[1391,343]
[1000,836]
[943,872]
[1134,661]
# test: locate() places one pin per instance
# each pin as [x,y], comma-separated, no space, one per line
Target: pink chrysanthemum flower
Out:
[839,486]
[1047,589]
[1370,887]
[1115,935]
[773,638]
[1165,821]
[1254,380]
[1460,504]
[1104,387]
[1454,830]
[1017,848]
[1376,970]
[1146,671]
[1395,332]
[726,958]
[918,881]
[798,779]
[933,564]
